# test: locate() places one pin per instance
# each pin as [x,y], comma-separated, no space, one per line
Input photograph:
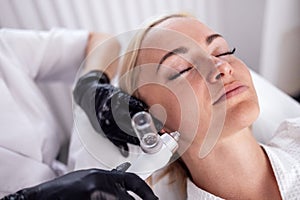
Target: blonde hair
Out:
[177,171]
[129,76]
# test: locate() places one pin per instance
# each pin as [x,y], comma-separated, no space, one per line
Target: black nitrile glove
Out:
[109,109]
[91,184]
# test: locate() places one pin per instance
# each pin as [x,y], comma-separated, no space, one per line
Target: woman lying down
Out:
[207,94]
[190,78]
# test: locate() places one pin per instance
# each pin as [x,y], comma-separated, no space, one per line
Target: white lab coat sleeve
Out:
[31,136]
[54,55]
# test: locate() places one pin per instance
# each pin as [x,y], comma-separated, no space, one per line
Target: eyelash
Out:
[226,53]
[179,74]
[189,68]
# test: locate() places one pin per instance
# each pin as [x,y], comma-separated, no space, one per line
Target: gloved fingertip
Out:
[123,167]
[151,197]
[124,150]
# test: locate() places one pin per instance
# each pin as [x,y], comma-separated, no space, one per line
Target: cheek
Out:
[241,70]
[164,105]
[196,113]
[245,76]
[204,114]
[185,107]
[242,113]
[173,115]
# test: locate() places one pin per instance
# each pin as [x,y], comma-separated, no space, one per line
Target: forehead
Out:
[184,28]
[172,33]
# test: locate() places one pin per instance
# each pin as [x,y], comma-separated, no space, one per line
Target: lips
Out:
[230,90]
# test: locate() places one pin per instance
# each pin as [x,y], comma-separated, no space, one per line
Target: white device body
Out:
[146,164]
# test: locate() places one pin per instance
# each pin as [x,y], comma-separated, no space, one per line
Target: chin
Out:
[241,116]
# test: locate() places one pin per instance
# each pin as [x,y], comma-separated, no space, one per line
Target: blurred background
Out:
[266,33]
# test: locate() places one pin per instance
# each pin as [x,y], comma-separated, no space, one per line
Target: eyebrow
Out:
[211,38]
[179,50]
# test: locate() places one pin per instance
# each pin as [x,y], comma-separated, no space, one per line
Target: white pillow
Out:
[275,106]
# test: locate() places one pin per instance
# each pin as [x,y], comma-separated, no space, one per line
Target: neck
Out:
[237,168]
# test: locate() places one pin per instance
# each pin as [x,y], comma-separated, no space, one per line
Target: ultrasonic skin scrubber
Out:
[157,149]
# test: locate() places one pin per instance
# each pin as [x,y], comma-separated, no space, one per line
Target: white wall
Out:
[241,23]
[280,61]
[250,26]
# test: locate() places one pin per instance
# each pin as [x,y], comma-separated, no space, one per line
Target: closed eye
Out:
[179,74]
[226,53]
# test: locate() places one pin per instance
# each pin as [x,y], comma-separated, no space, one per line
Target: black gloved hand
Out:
[94,184]
[109,109]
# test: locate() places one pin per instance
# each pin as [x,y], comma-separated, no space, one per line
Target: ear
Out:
[164,130]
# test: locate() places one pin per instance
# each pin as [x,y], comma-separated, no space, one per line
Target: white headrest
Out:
[275,106]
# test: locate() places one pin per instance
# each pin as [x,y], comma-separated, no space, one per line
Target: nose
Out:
[221,70]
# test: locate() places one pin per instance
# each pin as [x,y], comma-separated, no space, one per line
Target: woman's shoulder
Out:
[283,151]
